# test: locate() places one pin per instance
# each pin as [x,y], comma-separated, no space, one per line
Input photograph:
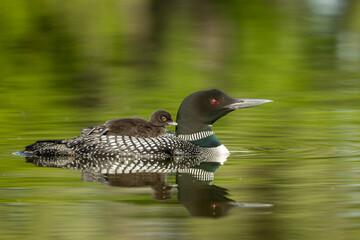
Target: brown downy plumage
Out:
[135,127]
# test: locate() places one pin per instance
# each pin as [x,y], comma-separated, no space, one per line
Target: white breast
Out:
[221,150]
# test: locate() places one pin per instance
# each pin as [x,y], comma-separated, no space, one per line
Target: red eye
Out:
[214,102]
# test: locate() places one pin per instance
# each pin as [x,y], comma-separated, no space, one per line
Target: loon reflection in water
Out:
[194,176]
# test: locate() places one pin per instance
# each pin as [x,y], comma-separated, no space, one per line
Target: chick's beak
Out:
[172,123]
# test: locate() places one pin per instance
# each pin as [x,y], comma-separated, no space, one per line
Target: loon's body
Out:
[134,127]
[193,136]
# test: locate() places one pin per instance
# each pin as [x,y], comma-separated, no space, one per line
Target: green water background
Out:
[65,65]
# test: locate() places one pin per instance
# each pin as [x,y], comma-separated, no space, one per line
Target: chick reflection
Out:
[157,182]
[194,178]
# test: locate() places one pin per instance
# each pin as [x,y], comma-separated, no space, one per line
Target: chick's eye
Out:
[214,101]
[163,118]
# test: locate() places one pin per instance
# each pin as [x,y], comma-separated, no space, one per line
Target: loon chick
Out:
[135,127]
[194,135]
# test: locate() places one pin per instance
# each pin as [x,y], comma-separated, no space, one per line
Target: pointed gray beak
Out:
[172,123]
[246,103]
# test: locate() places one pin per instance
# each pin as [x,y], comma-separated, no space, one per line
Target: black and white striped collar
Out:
[196,136]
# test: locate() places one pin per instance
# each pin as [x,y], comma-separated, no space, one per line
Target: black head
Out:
[201,109]
[161,118]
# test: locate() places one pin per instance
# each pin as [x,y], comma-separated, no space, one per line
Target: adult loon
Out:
[135,127]
[193,136]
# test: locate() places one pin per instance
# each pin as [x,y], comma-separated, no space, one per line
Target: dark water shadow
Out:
[194,177]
